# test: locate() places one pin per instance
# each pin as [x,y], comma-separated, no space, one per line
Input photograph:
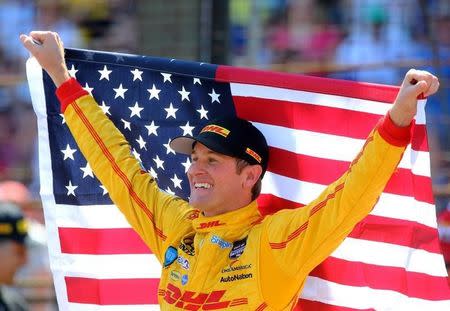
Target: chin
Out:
[199,204]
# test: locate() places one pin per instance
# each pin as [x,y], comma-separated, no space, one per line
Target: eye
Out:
[212,160]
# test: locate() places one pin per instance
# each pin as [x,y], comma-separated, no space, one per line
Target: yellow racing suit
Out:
[238,260]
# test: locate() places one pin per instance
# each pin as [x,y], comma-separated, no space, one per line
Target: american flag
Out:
[314,126]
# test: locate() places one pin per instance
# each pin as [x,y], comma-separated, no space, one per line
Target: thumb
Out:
[421,87]
[28,43]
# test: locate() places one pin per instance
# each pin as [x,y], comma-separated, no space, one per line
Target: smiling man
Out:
[217,251]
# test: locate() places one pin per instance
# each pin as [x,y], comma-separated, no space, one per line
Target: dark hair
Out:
[256,190]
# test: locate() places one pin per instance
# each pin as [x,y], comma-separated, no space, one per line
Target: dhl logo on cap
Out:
[216,129]
[253,154]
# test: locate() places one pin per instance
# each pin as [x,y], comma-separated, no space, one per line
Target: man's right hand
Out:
[48,49]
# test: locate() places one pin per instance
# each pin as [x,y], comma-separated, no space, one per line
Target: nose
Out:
[196,168]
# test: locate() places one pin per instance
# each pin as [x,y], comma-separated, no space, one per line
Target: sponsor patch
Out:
[175,275]
[187,245]
[232,267]
[170,256]
[238,248]
[184,279]
[236,277]
[222,243]
[184,263]
[216,129]
[210,224]
[253,154]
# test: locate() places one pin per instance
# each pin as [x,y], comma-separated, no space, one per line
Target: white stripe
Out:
[317,289]
[91,307]
[413,260]
[421,116]
[389,205]
[333,147]
[90,216]
[35,82]
[405,208]
[316,99]
[107,266]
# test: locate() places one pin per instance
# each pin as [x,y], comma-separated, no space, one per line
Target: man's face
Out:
[12,256]
[216,187]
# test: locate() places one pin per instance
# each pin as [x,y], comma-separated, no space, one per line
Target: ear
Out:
[251,174]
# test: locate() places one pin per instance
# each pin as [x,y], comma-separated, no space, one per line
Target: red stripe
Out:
[117,169]
[305,305]
[397,231]
[375,228]
[261,307]
[419,141]
[306,168]
[299,230]
[341,122]
[112,291]
[101,241]
[376,92]
[269,204]
[412,284]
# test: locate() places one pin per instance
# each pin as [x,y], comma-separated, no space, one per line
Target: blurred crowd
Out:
[365,40]
[99,24]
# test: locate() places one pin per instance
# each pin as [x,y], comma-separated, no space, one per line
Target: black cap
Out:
[231,136]
[13,226]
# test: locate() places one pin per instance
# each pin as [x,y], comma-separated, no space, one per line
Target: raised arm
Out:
[300,239]
[152,214]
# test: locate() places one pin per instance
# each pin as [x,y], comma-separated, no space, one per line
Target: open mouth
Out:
[202,185]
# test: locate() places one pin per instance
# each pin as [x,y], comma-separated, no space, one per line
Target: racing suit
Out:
[238,260]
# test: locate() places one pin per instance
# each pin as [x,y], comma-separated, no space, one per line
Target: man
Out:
[217,251]
[13,254]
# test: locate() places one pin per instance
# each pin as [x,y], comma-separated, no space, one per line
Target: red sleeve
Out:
[395,135]
[68,92]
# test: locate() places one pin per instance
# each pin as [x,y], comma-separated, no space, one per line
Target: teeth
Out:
[202,185]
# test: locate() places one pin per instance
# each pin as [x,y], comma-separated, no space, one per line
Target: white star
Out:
[135,110]
[136,154]
[68,152]
[184,94]
[73,71]
[105,108]
[87,88]
[169,191]
[167,77]
[104,73]
[153,173]
[154,92]
[203,113]
[87,171]
[137,74]
[187,129]
[214,96]
[197,80]
[71,188]
[168,149]
[170,111]
[159,162]
[152,128]
[186,164]
[63,118]
[126,124]
[104,189]
[176,181]
[141,143]
[120,91]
